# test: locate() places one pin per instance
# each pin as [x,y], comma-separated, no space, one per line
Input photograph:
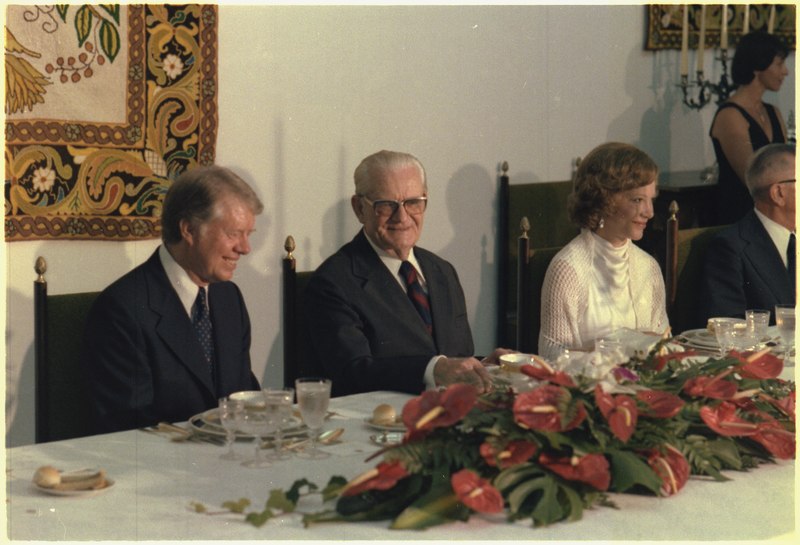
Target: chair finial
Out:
[40,267]
[524,226]
[289,246]
[504,168]
[673,210]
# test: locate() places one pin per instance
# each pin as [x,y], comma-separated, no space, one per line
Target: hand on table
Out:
[449,371]
[494,357]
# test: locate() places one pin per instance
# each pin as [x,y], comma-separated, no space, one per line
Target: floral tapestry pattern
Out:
[665,23]
[105,105]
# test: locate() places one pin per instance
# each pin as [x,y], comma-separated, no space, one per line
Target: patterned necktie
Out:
[417,295]
[791,256]
[201,321]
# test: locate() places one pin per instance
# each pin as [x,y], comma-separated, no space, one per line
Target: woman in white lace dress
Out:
[600,281]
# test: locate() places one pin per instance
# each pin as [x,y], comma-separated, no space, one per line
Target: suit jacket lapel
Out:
[174,327]
[765,257]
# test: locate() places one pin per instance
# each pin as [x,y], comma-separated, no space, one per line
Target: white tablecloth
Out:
[156,479]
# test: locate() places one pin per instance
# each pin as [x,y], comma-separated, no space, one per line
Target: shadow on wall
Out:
[20,417]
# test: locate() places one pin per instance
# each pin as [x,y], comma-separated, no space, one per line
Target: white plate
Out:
[701,338]
[208,423]
[82,493]
[397,426]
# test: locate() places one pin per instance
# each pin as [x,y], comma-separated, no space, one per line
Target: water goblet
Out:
[230,416]
[757,323]
[313,395]
[784,319]
[279,402]
[723,331]
[257,422]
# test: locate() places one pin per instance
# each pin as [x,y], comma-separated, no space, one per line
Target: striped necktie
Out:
[417,295]
[201,321]
[791,256]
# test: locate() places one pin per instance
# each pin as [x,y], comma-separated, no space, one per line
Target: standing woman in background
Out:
[744,123]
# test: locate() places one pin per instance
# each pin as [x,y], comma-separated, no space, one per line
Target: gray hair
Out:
[766,159]
[193,197]
[372,167]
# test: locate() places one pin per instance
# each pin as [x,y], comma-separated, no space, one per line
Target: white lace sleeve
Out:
[561,296]
[660,321]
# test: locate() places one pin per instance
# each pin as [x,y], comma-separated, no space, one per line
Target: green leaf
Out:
[438,506]
[531,489]
[334,486]
[509,477]
[295,491]
[278,500]
[236,506]
[628,470]
[62,11]
[259,519]
[727,452]
[112,10]
[83,23]
[198,507]
[547,510]
[575,503]
[109,40]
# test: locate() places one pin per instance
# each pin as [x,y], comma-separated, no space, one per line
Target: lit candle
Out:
[771,23]
[723,35]
[701,46]
[746,24]
[685,42]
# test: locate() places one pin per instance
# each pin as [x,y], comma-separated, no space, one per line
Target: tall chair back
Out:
[297,358]
[62,404]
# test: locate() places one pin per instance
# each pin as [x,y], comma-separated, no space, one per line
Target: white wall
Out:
[307,92]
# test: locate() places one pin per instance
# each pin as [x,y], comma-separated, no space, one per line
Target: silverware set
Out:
[180,434]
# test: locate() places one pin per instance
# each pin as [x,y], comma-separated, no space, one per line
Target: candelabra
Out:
[705,88]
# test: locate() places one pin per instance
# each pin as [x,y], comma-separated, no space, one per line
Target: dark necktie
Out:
[417,295]
[201,321]
[791,256]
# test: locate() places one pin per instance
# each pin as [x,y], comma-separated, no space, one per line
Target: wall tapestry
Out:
[665,23]
[104,104]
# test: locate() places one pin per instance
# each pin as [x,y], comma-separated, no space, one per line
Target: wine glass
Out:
[230,416]
[257,422]
[279,402]
[723,331]
[313,395]
[784,319]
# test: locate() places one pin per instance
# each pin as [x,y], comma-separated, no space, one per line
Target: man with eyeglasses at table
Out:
[751,264]
[382,313]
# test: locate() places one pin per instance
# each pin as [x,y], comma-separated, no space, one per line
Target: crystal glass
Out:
[279,402]
[230,416]
[723,331]
[313,395]
[757,323]
[784,319]
[257,422]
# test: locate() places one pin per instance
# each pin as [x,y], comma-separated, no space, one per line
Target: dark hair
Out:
[194,194]
[755,51]
[608,169]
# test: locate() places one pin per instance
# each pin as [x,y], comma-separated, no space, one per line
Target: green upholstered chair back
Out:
[297,358]
[692,244]
[545,206]
[63,407]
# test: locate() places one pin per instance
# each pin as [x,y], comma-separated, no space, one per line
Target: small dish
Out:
[397,426]
[81,493]
[383,439]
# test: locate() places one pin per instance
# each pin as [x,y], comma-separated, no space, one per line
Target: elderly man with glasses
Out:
[751,264]
[382,313]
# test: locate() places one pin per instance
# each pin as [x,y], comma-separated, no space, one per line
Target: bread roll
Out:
[47,477]
[384,415]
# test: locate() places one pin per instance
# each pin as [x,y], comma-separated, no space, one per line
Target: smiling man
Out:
[169,338]
[382,313]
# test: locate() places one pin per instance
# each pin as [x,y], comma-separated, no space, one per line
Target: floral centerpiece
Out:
[547,453]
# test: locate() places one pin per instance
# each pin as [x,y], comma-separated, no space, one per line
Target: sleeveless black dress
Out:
[732,199]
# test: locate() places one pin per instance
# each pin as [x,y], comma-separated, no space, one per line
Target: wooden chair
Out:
[545,206]
[297,359]
[685,253]
[531,270]
[63,408]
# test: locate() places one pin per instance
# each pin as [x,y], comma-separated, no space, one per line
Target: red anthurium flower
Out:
[591,469]
[713,387]
[515,452]
[620,411]
[786,404]
[543,371]
[672,467]
[435,409]
[724,421]
[537,409]
[778,441]
[660,404]
[659,362]
[476,493]
[759,365]
[382,477]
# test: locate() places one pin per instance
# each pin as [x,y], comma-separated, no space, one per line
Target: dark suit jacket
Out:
[144,363]
[743,270]
[364,329]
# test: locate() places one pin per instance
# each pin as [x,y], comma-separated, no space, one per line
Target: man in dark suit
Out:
[166,340]
[751,264]
[383,314]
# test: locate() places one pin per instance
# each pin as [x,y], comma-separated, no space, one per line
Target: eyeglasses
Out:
[765,188]
[387,208]
[785,182]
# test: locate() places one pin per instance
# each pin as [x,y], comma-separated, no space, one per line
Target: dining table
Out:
[158,482]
